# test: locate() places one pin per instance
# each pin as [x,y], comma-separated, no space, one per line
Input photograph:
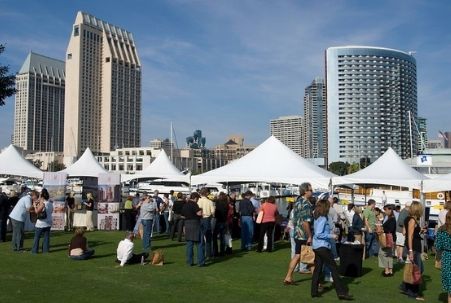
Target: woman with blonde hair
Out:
[413,245]
[89,209]
[443,244]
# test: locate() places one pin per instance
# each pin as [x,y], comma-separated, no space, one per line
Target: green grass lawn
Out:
[242,277]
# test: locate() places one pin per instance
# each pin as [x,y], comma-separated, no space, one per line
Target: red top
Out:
[269,212]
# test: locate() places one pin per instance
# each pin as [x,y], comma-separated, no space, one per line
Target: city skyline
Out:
[230,68]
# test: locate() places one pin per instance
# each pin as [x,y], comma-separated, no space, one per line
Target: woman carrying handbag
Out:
[389,232]
[322,234]
[413,245]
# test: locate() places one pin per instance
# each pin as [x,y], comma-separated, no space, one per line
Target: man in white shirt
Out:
[18,217]
[125,253]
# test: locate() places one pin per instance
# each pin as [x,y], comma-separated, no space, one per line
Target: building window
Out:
[107,59]
[76,31]
[69,56]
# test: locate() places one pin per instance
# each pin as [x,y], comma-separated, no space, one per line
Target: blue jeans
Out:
[147,230]
[86,255]
[45,243]
[166,221]
[247,232]
[371,245]
[156,223]
[18,234]
[200,253]
[206,235]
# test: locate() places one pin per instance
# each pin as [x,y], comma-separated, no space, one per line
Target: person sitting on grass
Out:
[78,247]
[125,253]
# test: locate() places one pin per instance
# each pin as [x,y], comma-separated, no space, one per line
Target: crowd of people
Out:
[209,224]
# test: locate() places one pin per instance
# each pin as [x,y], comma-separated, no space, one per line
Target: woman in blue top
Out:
[323,255]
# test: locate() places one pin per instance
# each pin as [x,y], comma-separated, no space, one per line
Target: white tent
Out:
[270,162]
[12,163]
[389,169]
[160,168]
[86,166]
[441,183]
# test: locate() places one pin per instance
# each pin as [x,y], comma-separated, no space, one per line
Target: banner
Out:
[109,198]
[424,160]
[55,183]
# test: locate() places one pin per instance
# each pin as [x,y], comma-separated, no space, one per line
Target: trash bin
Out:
[351,256]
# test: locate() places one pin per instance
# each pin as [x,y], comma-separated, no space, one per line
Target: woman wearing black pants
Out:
[270,212]
[323,255]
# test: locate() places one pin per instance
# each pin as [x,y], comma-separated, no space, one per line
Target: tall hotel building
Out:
[315,119]
[371,92]
[39,107]
[103,91]
[290,131]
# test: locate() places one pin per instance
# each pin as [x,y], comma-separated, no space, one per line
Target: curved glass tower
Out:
[370,92]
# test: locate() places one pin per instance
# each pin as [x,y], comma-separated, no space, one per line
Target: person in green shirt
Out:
[369,218]
[128,214]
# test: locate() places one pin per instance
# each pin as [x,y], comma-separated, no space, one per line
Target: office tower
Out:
[422,132]
[290,131]
[371,95]
[315,118]
[39,108]
[103,91]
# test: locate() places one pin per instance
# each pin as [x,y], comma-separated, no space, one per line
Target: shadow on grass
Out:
[177,244]
[103,256]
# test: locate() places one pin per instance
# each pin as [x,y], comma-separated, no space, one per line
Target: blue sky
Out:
[229,67]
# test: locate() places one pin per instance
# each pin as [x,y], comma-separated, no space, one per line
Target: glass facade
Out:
[371,93]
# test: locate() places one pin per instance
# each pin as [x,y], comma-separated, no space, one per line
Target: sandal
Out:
[286,283]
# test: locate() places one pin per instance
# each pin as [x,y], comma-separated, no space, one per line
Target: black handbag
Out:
[42,215]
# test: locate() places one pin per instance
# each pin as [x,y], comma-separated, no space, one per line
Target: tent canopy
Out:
[12,163]
[389,169]
[441,183]
[161,168]
[86,166]
[270,162]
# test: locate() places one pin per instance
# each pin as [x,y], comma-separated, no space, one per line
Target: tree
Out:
[352,168]
[55,166]
[364,162]
[7,82]
[339,168]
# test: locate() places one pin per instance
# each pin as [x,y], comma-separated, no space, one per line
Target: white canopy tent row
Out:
[270,162]
[161,168]
[441,183]
[12,163]
[86,166]
[388,169]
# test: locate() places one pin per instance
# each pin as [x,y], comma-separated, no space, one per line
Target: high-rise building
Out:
[371,95]
[422,134]
[39,108]
[315,120]
[103,92]
[290,131]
